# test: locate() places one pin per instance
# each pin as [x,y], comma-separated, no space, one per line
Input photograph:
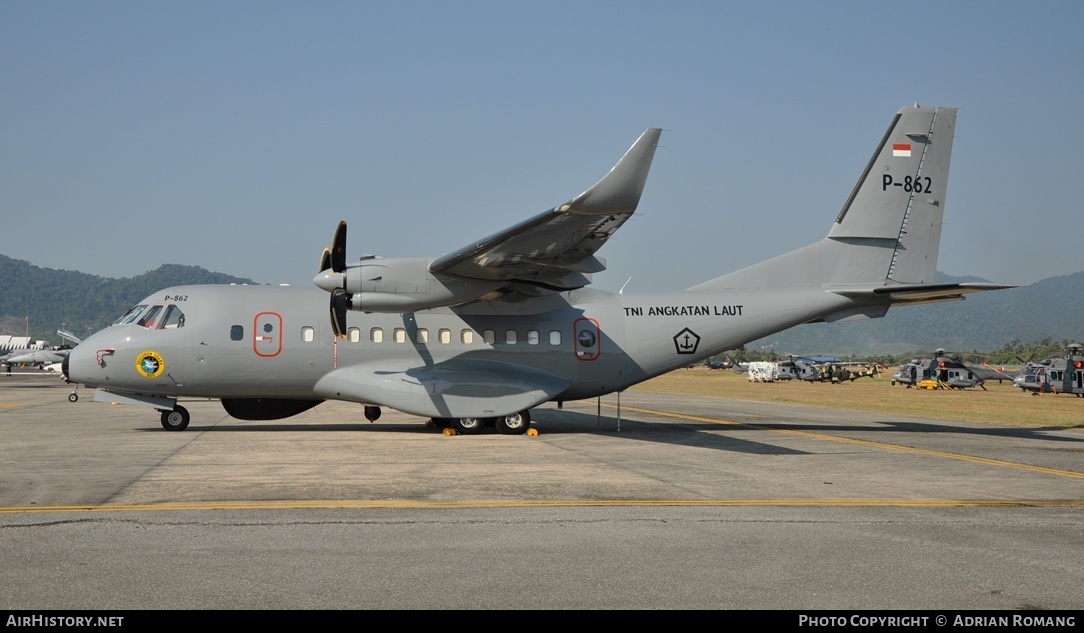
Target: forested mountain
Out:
[1051,308]
[82,303]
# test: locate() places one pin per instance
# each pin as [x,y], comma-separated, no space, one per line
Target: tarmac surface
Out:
[685,503]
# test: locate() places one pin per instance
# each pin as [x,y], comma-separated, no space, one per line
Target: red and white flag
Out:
[901,149]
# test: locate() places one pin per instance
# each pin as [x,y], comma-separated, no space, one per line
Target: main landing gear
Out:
[175,420]
[512,424]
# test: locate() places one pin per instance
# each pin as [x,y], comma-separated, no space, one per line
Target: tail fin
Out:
[889,230]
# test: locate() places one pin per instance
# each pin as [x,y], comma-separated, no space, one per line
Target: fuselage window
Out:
[308,334]
[489,336]
[237,332]
[444,336]
[174,318]
[532,337]
[466,337]
[354,334]
[511,336]
[555,337]
[376,335]
[422,335]
[400,335]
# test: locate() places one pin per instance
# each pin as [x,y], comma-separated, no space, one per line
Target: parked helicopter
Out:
[797,368]
[836,373]
[945,372]
[1055,375]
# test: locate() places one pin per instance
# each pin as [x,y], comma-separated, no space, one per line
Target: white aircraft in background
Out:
[39,357]
[484,333]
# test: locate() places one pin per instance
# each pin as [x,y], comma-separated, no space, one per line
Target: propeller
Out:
[340,303]
[325,260]
[332,278]
[338,249]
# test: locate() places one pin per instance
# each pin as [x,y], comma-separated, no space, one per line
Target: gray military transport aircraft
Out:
[483,334]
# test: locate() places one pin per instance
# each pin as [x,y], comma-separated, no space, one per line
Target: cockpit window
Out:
[131,315]
[149,319]
[174,318]
[153,317]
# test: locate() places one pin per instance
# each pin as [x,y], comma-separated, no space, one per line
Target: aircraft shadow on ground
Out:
[721,437]
[547,422]
[896,426]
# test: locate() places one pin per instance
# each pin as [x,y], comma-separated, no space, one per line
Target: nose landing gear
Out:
[175,420]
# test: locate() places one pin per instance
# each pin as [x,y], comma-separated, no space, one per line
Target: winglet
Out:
[619,191]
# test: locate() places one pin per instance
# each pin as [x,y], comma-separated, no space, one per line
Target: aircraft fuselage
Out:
[277,342]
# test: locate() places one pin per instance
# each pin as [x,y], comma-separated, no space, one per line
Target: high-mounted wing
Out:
[551,252]
[555,249]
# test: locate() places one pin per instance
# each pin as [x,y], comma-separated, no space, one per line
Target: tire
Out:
[175,420]
[514,424]
[74,397]
[468,426]
[441,423]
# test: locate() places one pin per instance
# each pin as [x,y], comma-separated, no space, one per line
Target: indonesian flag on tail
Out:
[901,149]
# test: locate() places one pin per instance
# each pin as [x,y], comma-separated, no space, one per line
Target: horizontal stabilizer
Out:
[922,293]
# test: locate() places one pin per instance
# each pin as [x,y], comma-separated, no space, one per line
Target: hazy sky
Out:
[235,135]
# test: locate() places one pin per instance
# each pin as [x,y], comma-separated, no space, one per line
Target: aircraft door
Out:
[267,334]
[586,339]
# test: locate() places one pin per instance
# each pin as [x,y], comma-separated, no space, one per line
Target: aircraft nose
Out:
[328,280]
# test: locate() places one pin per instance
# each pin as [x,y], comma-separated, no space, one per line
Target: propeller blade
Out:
[338,248]
[325,260]
[340,303]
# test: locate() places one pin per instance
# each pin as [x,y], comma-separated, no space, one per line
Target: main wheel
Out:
[468,426]
[175,420]
[514,424]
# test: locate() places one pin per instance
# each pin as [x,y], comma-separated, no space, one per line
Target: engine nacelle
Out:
[401,284]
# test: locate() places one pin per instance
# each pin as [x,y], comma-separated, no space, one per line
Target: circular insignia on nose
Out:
[150,364]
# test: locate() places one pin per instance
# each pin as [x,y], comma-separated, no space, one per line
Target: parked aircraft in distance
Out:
[837,373]
[484,333]
[39,357]
[1055,375]
[799,368]
[946,372]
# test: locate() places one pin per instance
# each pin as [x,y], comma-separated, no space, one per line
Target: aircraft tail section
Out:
[889,230]
[900,200]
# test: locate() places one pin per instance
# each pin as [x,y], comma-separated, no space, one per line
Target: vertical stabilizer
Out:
[889,230]
[901,196]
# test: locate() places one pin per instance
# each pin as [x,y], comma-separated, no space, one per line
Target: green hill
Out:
[80,302]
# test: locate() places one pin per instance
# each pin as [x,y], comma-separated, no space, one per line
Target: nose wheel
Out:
[74,395]
[175,420]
